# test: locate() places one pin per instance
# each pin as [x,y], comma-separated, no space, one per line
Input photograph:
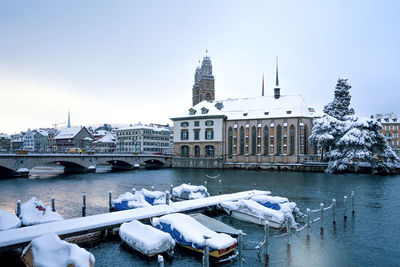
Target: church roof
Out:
[262,107]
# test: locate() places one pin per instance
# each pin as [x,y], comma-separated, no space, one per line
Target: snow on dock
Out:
[21,236]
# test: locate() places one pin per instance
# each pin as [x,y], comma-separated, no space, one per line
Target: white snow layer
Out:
[192,231]
[158,196]
[49,250]
[134,200]
[34,212]
[8,220]
[193,191]
[145,239]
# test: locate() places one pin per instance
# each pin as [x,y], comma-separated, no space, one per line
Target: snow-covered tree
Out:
[340,106]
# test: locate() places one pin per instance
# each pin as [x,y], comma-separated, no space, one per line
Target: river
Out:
[370,237]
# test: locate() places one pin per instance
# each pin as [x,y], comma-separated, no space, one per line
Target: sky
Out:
[124,62]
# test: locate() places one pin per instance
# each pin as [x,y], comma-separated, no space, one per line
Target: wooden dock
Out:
[20,237]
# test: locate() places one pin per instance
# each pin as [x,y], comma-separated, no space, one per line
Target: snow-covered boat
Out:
[186,191]
[154,197]
[128,201]
[146,239]
[278,203]
[189,233]
[250,211]
[50,250]
[34,212]
[8,220]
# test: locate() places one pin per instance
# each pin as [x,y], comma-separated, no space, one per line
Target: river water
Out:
[369,238]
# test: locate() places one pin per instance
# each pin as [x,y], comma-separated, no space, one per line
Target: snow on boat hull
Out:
[214,253]
[252,219]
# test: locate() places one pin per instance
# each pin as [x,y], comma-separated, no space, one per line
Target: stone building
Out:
[73,137]
[391,130]
[5,143]
[203,88]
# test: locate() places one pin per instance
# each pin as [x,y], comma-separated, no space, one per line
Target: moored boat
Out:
[34,212]
[187,191]
[189,233]
[146,239]
[128,201]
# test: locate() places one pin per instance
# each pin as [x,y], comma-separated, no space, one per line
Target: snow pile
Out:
[8,220]
[274,202]
[49,251]
[34,212]
[154,197]
[145,239]
[130,201]
[187,231]
[253,208]
[186,191]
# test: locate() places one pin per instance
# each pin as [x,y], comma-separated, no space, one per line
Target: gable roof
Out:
[69,132]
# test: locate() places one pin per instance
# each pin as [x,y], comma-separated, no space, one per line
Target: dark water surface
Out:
[370,238]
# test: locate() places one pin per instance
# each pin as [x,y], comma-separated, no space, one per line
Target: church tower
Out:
[203,88]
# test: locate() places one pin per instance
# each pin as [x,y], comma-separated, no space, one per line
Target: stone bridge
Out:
[19,165]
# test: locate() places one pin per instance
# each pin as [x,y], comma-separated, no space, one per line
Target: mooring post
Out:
[84,204]
[206,256]
[344,207]
[109,201]
[134,191]
[170,189]
[334,210]
[205,184]
[53,205]
[240,244]
[266,242]
[18,207]
[152,188]
[308,220]
[352,202]
[288,231]
[160,259]
[220,187]
[167,197]
[322,217]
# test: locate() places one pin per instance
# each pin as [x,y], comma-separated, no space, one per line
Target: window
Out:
[204,110]
[278,140]
[209,151]
[209,134]
[196,123]
[185,151]
[196,134]
[184,135]
[192,111]
[266,140]
[241,140]
[184,124]
[305,139]
[291,140]
[230,141]
[197,151]
[209,123]
[253,140]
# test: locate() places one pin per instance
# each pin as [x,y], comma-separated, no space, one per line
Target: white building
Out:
[141,138]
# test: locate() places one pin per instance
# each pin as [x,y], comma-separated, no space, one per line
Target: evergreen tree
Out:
[340,106]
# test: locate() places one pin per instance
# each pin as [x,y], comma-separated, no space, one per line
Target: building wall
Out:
[391,130]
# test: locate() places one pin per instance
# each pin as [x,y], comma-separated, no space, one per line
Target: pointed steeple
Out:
[277,89]
[262,92]
[69,120]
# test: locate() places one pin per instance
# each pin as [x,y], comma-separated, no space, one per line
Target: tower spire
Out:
[277,78]
[262,92]
[69,120]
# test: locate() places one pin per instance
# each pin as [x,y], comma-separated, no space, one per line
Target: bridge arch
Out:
[120,165]
[153,164]
[6,172]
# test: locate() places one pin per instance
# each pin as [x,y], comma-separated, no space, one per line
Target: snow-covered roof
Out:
[100,133]
[251,108]
[68,132]
[109,138]
[87,138]
[389,121]
[144,127]
[42,132]
[4,136]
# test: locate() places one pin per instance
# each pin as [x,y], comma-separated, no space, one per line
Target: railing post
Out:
[84,204]
[206,256]
[18,207]
[167,197]
[53,205]
[220,187]
[110,201]
[266,242]
[344,207]
[134,191]
[152,188]
[240,247]
[160,260]
[352,202]
[205,184]
[334,210]
[308,220]
[322,217]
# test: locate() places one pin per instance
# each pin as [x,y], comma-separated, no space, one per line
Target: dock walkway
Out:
[22,236]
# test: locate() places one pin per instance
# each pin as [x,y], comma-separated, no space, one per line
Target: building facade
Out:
[73,137]
[391,130]
[204,82]
[151,139]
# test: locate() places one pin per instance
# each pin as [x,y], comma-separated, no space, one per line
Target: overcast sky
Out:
[130,61]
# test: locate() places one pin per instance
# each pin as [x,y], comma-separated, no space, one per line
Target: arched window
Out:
[185,151]
[291,140]
[266,144]
[241,141]
[279,140]
[209,151]
[197,151]
[253,141]
[230,141]
[305,139]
